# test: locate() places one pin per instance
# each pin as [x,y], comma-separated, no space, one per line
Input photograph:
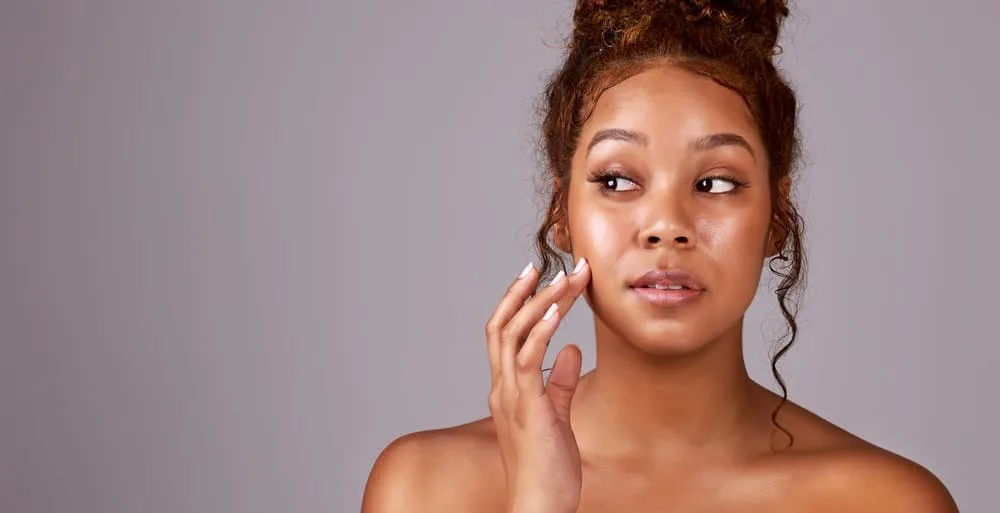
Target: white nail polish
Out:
[579,265]
[527,269]
[558,277]
[550,312]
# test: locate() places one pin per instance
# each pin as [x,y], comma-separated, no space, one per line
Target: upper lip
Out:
[669,277]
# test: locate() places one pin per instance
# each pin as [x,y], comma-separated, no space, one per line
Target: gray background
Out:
[246,244]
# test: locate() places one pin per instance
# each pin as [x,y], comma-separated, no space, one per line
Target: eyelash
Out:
[602,176]
[737,183]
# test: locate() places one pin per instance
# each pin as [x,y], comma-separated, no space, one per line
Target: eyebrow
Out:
[711,141]
[617,134]
[704,143]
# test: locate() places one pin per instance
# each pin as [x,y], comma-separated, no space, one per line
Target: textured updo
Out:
[731,42]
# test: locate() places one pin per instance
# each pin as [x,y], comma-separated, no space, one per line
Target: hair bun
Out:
[712,27]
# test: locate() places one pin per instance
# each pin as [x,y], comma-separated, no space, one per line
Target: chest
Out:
[684,492]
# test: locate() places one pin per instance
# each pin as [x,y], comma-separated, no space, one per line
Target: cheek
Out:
[736,242]
[595,235]
[598,237]
[602,238]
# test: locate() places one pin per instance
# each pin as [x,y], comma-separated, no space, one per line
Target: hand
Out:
[540,456]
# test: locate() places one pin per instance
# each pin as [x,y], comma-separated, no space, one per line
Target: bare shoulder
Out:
[877,480]
[450,469]
[842,472]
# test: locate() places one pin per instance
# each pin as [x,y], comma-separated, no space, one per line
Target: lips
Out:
[668,289]
[672,279]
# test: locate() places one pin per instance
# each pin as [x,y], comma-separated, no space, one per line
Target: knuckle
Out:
[507,334]
[493,327]
[522,362]
[514,332]
[493,400]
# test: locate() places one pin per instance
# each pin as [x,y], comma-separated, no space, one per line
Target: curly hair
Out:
[732,42]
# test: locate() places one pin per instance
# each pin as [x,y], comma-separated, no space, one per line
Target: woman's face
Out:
[670,174]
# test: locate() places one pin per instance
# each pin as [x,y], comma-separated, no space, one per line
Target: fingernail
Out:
[550,312]
[527,269]
[558,277]
[579,265]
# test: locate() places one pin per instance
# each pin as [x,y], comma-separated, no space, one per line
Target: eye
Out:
[718,184]
[612,181]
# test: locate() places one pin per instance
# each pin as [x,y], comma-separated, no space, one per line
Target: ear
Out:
[777,233]
[560,225]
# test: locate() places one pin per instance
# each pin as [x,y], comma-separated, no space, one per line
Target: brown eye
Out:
[716,185]
[611,181]
[615,183]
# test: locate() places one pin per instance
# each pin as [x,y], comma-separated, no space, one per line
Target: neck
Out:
[634,403]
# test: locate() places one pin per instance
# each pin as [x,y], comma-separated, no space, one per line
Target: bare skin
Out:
[669,420]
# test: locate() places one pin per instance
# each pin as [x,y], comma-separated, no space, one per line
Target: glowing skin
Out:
[669,173]
[628,226]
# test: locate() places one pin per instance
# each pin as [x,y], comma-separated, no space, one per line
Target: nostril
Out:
[653,239]
[681,240]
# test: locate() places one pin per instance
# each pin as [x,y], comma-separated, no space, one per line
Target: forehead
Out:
[672,104]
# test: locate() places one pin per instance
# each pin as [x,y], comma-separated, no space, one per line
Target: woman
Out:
[671,144]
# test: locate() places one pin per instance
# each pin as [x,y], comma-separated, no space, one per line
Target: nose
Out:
[666,222]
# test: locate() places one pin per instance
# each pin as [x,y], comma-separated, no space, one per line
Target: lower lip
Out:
[665,297]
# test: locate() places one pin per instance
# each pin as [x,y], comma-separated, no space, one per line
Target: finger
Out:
[563,380]
[532,352]
[529,359]
[533,309]
[578,280]
[513,335]
[510,303]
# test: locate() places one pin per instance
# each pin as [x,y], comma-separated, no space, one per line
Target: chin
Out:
[667,332]
[667,337]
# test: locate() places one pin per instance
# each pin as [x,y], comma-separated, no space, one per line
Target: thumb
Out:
[563,380]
